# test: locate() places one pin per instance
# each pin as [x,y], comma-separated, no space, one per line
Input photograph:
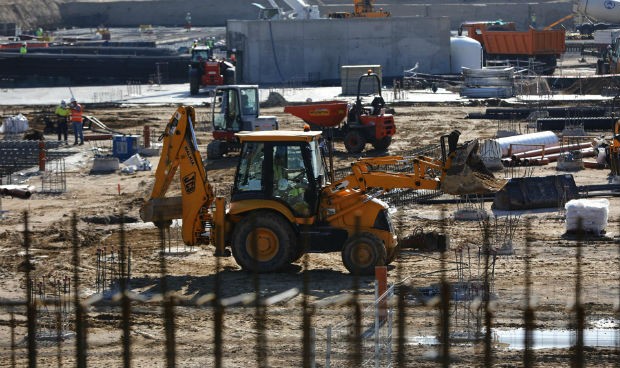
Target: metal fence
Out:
[62,321]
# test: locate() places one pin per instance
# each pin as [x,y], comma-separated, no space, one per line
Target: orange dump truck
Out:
[502,42]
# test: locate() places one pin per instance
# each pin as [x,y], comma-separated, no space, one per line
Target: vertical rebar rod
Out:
[528,315]
[125,301]
[30,307]
[578,357]
[444,304]
[169,325]
[402,310]
[80,326]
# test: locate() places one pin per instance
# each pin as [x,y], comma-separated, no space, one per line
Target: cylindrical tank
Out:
[525,142]
[464,52]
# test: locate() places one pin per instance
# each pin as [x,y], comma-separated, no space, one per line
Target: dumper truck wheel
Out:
[215,150]
[362,252]
[263,242]
[382,144]
[354,141]
[194,82]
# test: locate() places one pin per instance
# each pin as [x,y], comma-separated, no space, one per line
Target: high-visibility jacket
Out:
[62,111]
[76,113]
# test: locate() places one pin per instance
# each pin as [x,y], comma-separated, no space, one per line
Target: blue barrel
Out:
[125,146]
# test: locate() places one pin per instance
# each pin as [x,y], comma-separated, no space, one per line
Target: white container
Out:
[527,142]
[464,52]
[592,213]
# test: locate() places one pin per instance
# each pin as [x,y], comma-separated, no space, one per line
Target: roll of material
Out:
[526,142]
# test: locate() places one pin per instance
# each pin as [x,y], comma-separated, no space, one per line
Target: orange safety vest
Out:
[76,114]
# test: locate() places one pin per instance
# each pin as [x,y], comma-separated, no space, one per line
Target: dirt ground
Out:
[192,272]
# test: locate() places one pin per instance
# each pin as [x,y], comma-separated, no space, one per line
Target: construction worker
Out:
[62,114]
[24,49]
[76,121]
[188,21]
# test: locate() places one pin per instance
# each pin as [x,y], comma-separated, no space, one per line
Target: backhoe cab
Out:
[282,205]
[235,108]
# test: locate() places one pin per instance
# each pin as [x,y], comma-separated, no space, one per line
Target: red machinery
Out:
[204,70]
[363,124]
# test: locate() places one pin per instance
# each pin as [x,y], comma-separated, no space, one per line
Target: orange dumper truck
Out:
[502,42]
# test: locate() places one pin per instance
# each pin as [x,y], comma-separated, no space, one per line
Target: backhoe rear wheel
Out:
[354,141]
[362,252]
[263,242]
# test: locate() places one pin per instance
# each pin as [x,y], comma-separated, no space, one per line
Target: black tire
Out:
[382,144]
[362,252]
[230,76]
[194,82]
[215,150]
[275,239]
[354,141]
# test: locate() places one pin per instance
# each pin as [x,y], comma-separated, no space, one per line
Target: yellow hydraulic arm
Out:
[180,151]
[461,173]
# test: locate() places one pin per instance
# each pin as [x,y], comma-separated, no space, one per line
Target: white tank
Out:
[464,52]
[526,142]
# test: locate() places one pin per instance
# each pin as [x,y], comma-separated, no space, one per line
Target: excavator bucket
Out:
[467,174]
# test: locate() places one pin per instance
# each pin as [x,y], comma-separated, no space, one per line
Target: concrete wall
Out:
[216,12]
[314,50]
[213,13]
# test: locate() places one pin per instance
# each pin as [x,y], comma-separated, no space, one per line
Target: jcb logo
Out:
[189,183]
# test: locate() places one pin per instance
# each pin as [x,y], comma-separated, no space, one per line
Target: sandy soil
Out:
[192,272]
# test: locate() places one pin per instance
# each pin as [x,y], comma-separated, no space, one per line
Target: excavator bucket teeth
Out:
[467,173]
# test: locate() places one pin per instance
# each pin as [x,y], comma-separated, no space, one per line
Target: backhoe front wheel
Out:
[362,252]
[354,141]
[263,242]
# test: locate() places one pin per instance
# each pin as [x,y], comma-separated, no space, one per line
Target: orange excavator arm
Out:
[461,172]
[180,151]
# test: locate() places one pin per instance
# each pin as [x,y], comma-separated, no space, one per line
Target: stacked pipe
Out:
[543,156]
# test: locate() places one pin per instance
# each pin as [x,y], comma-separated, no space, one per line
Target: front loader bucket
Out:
[467,174]
[536,192]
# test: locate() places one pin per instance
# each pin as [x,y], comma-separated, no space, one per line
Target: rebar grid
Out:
[222,330]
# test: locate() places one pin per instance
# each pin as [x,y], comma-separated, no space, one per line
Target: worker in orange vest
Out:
[76,121]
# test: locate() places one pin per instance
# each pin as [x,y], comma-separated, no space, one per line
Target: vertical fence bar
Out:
[218,313]
[356,338]
[80,326]
[444,305]
[169,326]
[30,307]
[125,301]
[528,315]
[578,357]
[13,325]
[259,308]
[307,340]
[328,347]
[402,311]
[488,317]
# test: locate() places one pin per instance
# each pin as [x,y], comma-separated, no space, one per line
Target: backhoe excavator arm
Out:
[460,172]
[180,151]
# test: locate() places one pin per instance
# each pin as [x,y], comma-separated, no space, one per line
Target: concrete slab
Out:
[179,94]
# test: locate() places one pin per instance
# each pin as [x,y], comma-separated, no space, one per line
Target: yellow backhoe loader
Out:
[282,204]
